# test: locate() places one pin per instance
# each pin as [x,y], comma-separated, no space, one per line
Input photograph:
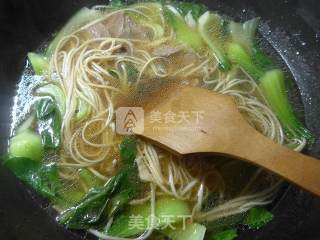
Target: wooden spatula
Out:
[188,120]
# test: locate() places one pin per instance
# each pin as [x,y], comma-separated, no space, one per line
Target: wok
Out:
[290,31]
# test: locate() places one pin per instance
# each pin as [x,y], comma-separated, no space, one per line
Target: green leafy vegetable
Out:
[165,206]
[26,144]
[83,110]
[258,217]
[117,4]
[222,224]
[49,120]
[261,59]
[196,9]
[39,63]
[56,93]
[273,87]
[131,184]
[132,72]
[245,51]
[42,178]
[113,73]
[22,167]
[103,202]
[128,150]
[244,33]
[272,84]
[153,19]
[47,180]
[66,199]
[211,30]
[229,234]
[237,54]
[89,179]
[26,124]
[193,231]
[70,196]
[184,34]
[91,210]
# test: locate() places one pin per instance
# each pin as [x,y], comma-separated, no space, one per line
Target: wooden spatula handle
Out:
[293,166]
[224,130]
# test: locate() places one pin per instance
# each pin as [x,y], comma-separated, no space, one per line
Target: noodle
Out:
[95,71]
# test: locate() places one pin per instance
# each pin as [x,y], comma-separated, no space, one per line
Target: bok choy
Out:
[38,62]
[26,144]
[244,33]
[258,217]
[244,52]
[228,234]
[43,178]
[92,209]
[272,84]
[184,33]
[165,206]
[49,121]
[238,54]
[191,231]
[104,202]
[210,28]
